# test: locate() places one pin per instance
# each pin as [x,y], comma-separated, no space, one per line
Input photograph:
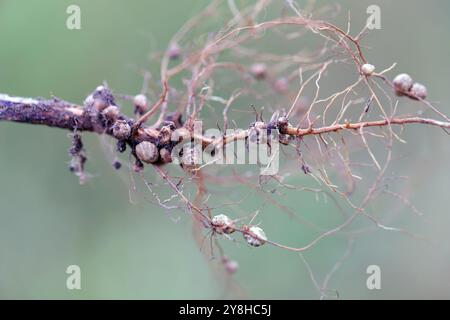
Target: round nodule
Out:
[255,236]
[223,224]
[419,91]
[403,83]
[231,266]
[147,152]
[141,103]
[174,51]
[121,130]
[367,69]
[111,112]
[259,71]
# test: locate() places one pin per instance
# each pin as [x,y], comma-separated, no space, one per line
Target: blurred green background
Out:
[136,250]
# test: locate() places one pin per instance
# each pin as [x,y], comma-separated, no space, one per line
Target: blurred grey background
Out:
[136,250]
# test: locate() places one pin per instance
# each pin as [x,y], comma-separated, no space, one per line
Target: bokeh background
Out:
[138,251]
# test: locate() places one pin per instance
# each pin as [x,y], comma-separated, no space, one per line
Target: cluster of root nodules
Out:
[271,67]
